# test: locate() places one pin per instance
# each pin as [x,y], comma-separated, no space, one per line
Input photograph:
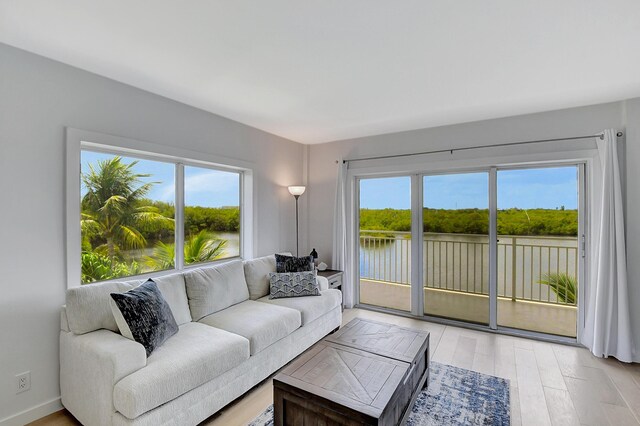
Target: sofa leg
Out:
[334,330]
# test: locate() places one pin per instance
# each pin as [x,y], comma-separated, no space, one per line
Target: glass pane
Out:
[385,242]
[456,246]
[538,249]
[211,214]
[127,218]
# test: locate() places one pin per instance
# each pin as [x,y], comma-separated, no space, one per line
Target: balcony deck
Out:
[526,315]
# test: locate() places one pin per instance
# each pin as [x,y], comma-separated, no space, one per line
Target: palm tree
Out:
[202,247]
[112,210]
[563,285]
[163,257]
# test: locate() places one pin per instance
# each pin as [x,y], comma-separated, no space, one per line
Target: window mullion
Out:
[417,272]
[179,217]
[493,248]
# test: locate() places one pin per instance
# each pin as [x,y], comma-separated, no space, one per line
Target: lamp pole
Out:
[297,238]
[297,191]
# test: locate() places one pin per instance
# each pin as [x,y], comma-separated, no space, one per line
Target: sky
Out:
[204,187]
[547,188]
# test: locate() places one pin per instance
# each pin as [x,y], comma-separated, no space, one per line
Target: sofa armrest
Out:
[90,366]
[323,283]
[64,322]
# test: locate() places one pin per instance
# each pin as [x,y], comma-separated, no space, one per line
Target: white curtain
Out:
[339,259]
[607,329]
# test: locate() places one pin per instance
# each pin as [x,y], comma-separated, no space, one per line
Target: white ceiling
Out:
[323,70]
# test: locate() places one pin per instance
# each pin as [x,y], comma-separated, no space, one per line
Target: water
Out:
[233,243]
[231,249]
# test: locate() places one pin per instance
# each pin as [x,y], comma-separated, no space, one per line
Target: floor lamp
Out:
[297,191]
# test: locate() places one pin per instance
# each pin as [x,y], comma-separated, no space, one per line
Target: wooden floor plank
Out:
[446,348]
[561,410]
[464,353]
[619,416]
[533,405]
[516,417]
[586,403]
[550,373]
[505,361]
[625,383]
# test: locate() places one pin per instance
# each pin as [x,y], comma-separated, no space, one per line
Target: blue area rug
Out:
[455,396]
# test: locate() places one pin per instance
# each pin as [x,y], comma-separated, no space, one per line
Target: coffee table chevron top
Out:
[348,376]
[365,373]
[380,338]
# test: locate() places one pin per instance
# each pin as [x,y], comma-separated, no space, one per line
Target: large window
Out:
[142,213]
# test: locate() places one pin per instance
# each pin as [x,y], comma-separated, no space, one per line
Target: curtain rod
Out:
[440,151]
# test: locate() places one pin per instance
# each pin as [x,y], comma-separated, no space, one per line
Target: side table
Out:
[335,280]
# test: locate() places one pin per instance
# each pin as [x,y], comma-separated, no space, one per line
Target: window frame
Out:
[514,157]
[78,140]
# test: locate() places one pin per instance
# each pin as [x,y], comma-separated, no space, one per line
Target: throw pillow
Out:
[293,284]
[293,264]
[143,315]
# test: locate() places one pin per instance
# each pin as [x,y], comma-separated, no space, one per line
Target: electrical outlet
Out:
[23,382]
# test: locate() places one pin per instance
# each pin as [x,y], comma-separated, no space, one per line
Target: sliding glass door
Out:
[526,277]
[456,246]
[385,242]
[538,250]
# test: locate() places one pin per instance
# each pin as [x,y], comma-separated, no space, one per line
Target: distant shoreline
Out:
[513,221]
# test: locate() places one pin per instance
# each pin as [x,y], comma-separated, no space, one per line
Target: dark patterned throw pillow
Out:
[293,284]
[293,264]
[143,315]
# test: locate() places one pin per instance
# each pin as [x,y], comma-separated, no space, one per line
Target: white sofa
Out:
[230,338]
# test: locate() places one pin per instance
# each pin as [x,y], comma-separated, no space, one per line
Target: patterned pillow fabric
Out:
[143,315]
[293,284]
[293,264]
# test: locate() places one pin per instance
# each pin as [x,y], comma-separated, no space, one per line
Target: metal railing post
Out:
[513,268]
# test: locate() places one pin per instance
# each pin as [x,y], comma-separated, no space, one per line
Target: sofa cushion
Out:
[256,273]
[196,354]
[213,289]
[174,292]
[262,324]
[88,307]
[310,307]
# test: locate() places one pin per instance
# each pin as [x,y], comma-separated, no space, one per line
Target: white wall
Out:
[570,122]
[632,216]
[38,98]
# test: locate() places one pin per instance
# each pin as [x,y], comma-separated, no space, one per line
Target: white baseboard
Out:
[33,414]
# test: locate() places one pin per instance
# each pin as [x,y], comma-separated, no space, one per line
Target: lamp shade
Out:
[296,190]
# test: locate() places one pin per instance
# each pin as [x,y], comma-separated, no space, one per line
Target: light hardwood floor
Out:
[551,384]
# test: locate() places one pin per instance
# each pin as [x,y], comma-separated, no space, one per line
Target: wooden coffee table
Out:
[366,373]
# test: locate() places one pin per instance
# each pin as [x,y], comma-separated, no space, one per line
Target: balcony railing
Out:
[459,262]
